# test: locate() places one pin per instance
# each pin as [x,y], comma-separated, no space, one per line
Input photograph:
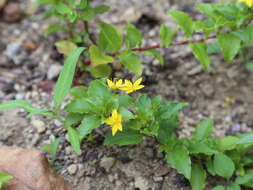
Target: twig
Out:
[86,28]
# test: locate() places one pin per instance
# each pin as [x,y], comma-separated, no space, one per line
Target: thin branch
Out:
[86,28]
[158,46]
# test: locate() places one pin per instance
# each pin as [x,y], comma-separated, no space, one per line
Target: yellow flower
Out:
[115,84]
[130,87]
[247,2]
[115,121]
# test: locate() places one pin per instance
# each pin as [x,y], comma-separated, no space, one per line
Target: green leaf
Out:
[89,123]
[180,160]
[12,104]
[166,128]
[97,57]
[200,52]
[65,79]
[230,45]
[110,39]
[79,92]
[126,114]
[52,148]
[209,166]
[203,129]
[143,104]
[72,118]
[185,22]
[133,36]
[74,140]
[198,177]
[243,180]
[87,14]
[83,4]
[156,54]
[201,148]
[169,109]
[101,71]
[166,35]
[63,8]
[54,28]
[247,139]
[234,187]
[101,9]
[65,47]
[227,143]
[219,187]
[131,62]
[4,178]
[82,105]
[249,66]
[125,137]
[125,100]
[99,90]
[213,48]
[223,165]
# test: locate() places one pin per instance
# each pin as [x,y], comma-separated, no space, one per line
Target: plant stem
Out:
[158,46]
[86,28]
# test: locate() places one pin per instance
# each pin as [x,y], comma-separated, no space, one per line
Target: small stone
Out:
[149,152]
[141,183]
[72,169]
[4,61]
[57,123]
[14,52]
[107,163]
[196,70]
[161,171]
[39,125]
[12,12]
[68,150]
[2,3]
[157,179]
[53,71]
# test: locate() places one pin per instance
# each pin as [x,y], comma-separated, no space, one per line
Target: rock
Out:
[72,169]
[161,171]
[141,183]
[207,89]
[157,179]
[4,61]
[53,71]
[14,52]
[2,3]
[38,125]
[12,12]
[196,70]
[107,163]
[46,85]
[31,170]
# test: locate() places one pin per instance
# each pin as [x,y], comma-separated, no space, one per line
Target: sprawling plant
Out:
[109,102]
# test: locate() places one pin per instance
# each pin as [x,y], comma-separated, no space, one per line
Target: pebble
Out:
[14,52]
[107,163]
[157,179]
[196,70]
[12,12]
[2,3]
[38,125]
[53,71]
[141,183]
[72,169]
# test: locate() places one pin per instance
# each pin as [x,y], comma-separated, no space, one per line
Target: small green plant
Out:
[108,103]
[226,28]
[4,178]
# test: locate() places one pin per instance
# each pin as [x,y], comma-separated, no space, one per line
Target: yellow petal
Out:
[119,83]
[139,87]
[128,84]
[137,82]
[110,83]
[109,121]
[114,130]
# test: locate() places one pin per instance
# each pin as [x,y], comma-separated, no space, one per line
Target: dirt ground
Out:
[223,93]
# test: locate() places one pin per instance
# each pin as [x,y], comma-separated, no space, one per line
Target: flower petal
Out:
[137,82]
